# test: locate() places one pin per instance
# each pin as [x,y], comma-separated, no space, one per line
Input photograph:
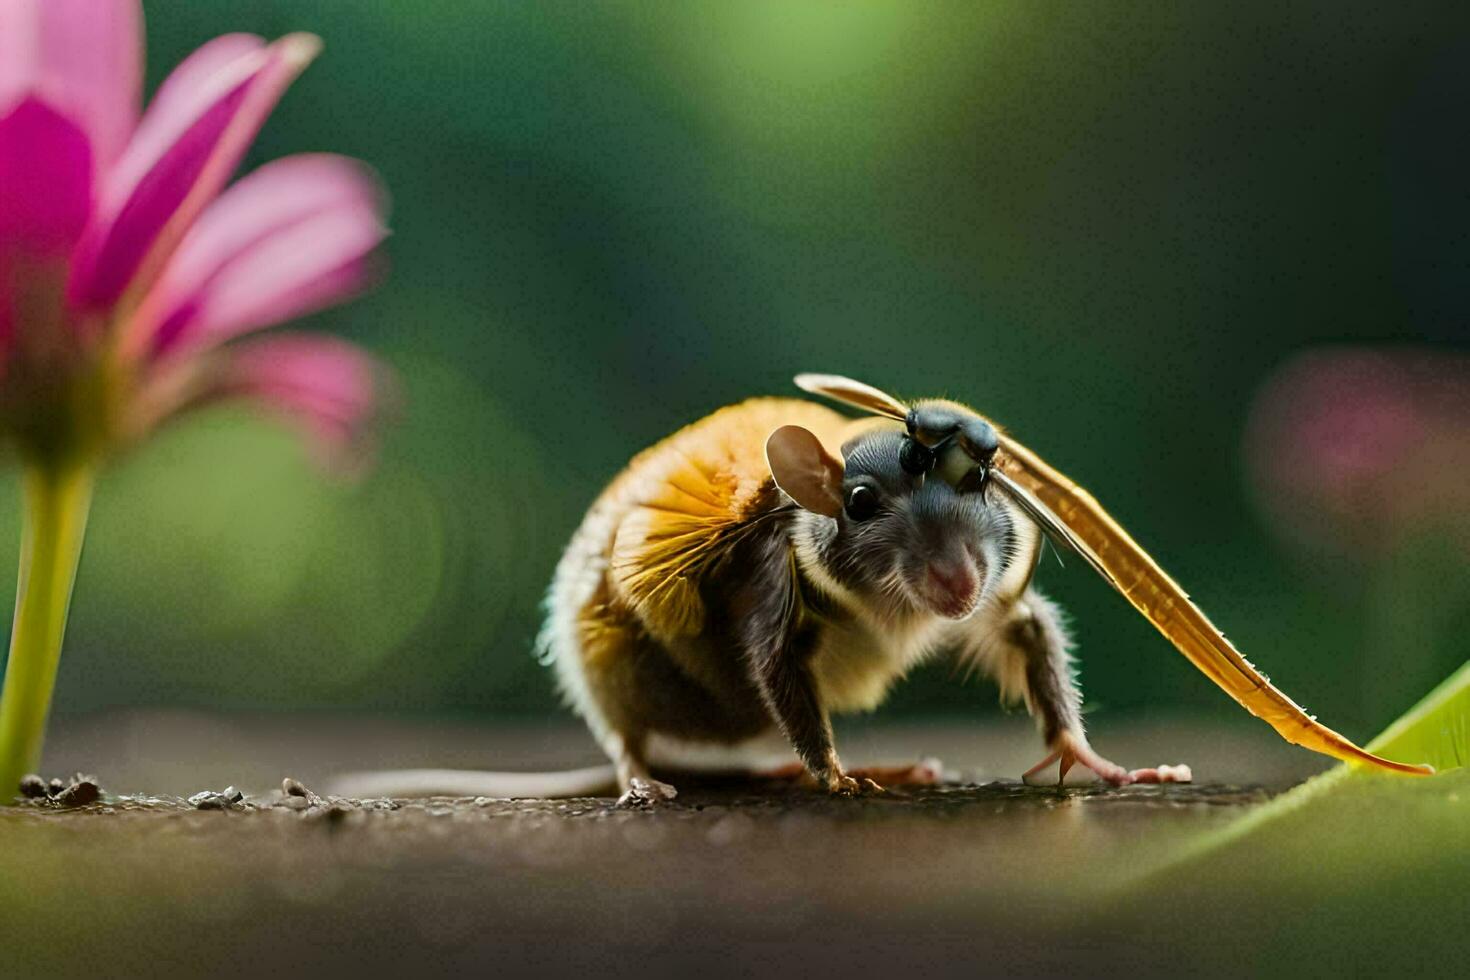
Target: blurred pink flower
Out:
[1350,451]
[123,266]
[128,275]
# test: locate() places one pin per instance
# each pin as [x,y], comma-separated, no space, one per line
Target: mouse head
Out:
[880,525]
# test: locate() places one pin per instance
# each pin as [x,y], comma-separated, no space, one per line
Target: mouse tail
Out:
[411,783]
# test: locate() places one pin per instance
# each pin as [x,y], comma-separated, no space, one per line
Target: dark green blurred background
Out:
[1103,224]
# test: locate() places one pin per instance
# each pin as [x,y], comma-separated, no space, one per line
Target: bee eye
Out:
[915,457]
[862,502]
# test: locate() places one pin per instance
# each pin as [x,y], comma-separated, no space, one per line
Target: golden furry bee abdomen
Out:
[628,627]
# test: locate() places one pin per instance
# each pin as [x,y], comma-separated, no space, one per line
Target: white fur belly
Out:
[854,667]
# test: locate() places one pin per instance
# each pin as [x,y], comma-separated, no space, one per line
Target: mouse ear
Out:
[854,393]
[804,470]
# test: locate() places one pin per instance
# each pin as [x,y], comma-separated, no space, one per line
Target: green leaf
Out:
[1436,730]
[1353,870]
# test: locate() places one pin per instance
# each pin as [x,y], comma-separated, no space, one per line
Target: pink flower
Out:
[129,275]
[129,272]
[1352,451]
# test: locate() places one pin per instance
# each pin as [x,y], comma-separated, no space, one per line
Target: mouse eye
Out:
[862,502]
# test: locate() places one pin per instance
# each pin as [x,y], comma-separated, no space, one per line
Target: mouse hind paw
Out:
[646,792]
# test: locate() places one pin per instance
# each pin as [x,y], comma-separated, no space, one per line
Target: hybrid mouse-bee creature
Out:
[777,562]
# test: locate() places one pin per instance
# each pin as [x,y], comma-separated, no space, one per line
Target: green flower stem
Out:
[57,498]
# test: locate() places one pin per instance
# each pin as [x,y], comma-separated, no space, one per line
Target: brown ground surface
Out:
[736,879]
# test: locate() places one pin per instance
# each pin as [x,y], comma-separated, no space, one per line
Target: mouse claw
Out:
[1029,777]
[1070,750]
[845,785]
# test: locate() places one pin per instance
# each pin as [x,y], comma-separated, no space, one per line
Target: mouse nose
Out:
[952,585]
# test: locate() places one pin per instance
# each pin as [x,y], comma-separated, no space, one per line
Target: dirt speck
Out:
[228,798]
[81,792]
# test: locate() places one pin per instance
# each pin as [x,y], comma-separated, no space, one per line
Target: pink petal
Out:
[329,386]
[83,57]
[45,196]
[185,150]
[289,238]
[186,93]
[45,181]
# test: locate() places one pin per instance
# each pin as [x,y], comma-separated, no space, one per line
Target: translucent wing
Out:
[683,505]
[1130,570]
[1072,517]
[853,393]
[1059,534]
